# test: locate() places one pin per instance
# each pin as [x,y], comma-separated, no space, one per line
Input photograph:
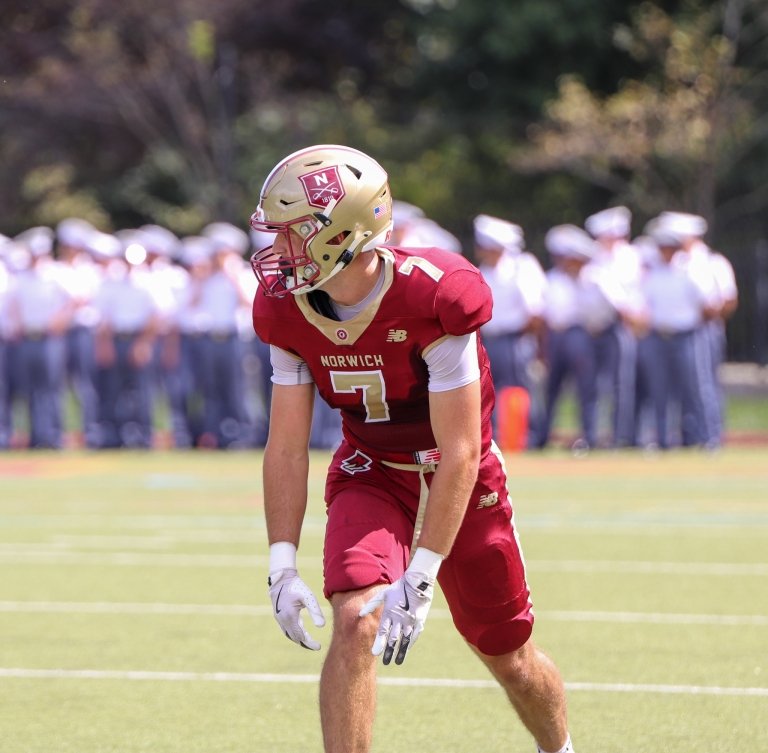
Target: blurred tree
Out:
[680,133]
[143,99]
[135,95]
[437,90]
[175,112]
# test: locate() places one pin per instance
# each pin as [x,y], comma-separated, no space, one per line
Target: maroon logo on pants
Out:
[357,463]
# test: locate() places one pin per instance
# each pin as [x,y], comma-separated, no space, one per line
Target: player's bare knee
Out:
[515,670]
[348,626]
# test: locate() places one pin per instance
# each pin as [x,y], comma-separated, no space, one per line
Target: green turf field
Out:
[134,615]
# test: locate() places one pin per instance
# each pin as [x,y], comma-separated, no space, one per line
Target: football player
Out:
[416,492]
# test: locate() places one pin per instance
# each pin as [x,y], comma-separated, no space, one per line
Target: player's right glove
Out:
[405,605]
[290,594]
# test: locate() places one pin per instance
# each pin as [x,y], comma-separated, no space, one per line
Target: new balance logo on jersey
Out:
[357,463]
[397,336]
[488,500]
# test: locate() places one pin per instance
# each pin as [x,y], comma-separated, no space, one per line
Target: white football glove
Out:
[406,604]
[290,594]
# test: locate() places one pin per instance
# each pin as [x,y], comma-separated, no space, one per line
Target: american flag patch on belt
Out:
[425,457]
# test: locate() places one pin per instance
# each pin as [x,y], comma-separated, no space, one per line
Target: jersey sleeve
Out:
[453,363]
[463,302]
[287,368]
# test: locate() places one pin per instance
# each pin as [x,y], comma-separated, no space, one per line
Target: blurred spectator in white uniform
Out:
[225,296]
[6,331]
[128,324]
[518,285]
[195,256]
[41,309]
[616,269]
[645,423]
[413,229]
[678,304]
[696,258]
[256,363]
[82,277]
[167,282]
[569,347]
[16,260]
[209,325]
[725,278]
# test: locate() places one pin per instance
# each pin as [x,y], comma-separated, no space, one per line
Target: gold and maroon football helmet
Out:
[330,203]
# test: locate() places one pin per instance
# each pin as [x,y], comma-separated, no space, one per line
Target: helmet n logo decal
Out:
[322,186]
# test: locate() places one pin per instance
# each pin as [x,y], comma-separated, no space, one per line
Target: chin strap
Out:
[342,262]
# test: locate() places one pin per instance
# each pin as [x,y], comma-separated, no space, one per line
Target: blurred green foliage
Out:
[540,111]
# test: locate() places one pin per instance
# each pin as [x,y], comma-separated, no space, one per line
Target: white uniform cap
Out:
[613,222]
[683,225]
[74,232]
[15,255]
[424,233]
[661,234]
[135,243]
[38,240]
[196,249]
[492,232]
[160,240]
[569,241]
[104,245]
[227,237]
[403,212]
[131,236]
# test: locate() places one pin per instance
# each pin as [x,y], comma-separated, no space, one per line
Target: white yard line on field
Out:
[660,523]
[655,618]
[44,556]
[607,687]
[123,607]
[155,608]
[650,567]
[163,523]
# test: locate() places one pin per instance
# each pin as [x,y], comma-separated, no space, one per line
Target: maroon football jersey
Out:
[371,367]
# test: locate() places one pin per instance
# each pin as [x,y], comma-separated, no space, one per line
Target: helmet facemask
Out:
[279,274]
[327,204]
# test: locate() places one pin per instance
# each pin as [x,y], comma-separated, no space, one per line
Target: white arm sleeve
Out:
[453,363]
[287,368]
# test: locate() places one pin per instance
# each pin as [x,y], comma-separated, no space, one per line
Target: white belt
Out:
[424,460]
[417,467]
[421,468]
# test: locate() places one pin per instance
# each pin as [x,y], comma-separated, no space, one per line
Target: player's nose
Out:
[281,246]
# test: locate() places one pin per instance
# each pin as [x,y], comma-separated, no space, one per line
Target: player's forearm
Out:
[455,417]
[449,494]
[285,493]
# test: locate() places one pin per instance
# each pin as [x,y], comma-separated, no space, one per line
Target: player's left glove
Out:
[405,604]
[289,595]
